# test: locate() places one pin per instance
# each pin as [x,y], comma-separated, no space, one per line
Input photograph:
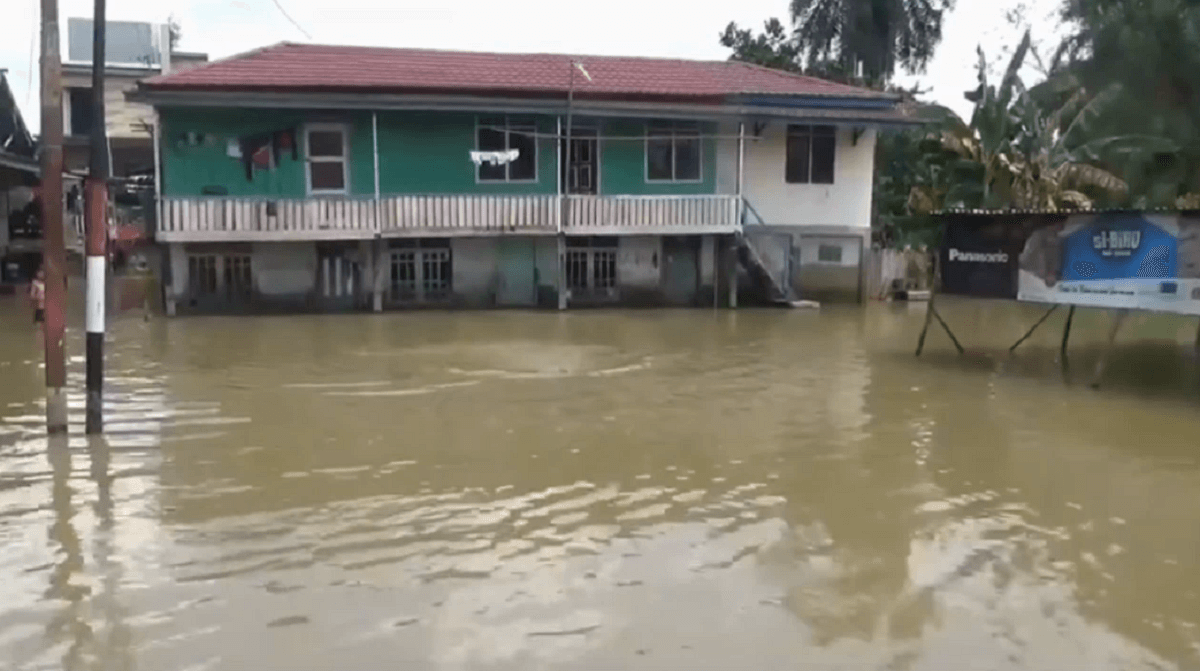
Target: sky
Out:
[664,28]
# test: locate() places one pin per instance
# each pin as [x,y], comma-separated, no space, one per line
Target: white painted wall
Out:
[284,268]
[846,202]
[638,261]
[810,246]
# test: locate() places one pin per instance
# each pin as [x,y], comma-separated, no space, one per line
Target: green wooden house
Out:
[317,177]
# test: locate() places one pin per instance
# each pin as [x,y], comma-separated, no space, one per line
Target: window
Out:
[591,265]
[503,134]
[672,152]
[810,152]
[239,279]
[202,274]
[326,152]
[228,275]
[81,111]
[829,253]
[421,271]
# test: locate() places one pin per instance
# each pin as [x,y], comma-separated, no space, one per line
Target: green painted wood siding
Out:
[419,153]
[623,164]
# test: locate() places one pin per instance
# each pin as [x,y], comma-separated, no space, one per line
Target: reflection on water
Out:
[602,490]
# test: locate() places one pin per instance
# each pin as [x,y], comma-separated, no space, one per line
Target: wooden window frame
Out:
[509,126]
[810,131]
[685,130]
[344,159]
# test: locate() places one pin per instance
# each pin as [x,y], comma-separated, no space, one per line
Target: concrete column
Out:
[562,272]
[732,269]
[176,278]
[381,268]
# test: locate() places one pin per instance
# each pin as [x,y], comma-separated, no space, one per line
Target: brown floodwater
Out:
[682,489]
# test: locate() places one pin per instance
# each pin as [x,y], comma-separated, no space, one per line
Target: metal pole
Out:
[566,198]
[53,252]
[96,223]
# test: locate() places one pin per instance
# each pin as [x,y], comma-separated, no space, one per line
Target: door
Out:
[582,169]
[681,273]
[518,275]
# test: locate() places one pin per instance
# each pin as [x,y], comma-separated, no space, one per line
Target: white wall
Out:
[284,268]
[474,266]
[638,261]
[810,245]
[846,202]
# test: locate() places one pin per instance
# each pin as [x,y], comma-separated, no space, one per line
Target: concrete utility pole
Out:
[96,195]
[53,252]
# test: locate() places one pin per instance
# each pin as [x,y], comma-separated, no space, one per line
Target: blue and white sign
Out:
[1121,260]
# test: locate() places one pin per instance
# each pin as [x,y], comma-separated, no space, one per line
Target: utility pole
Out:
[566,195]
[566,184]
[53,252]
[96,223]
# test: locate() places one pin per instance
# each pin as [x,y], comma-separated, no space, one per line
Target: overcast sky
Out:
[670,28]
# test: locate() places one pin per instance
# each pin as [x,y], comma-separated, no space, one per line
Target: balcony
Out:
[208,219]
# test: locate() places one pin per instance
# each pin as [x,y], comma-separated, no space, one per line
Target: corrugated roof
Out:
[309,67]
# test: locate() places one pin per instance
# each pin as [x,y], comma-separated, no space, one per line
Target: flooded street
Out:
[688,489]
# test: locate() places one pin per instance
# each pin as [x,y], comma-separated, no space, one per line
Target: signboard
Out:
[1107,260]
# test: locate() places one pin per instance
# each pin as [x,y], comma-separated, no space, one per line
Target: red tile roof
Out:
[309,67]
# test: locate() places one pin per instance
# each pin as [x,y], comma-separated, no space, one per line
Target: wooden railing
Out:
[601,215]
[221,219]
[216,219]
[463,215]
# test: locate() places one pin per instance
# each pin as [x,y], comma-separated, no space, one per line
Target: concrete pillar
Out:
[562,272]
[381,267]
[732,268]
[177,282]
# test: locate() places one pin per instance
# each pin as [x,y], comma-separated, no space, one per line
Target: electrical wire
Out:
[289,18]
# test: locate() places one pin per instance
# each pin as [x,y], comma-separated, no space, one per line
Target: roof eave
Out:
[715,109]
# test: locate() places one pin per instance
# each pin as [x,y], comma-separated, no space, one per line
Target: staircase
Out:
[773,290]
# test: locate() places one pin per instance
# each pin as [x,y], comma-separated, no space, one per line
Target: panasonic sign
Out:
[978,257]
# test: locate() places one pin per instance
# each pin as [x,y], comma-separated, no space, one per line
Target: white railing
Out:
[459,215]
[212,219]
[598,215]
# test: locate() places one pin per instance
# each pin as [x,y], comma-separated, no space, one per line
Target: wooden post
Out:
[96,225]
[1197,345]
[1102,363]
[925,327]
[933,289]
[1033,328]
[1062,350]
[53,251]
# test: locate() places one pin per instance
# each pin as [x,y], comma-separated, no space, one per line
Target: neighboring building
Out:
[321,177]
[133,51]
[20,176]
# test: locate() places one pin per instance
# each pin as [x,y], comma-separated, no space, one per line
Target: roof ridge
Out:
[811,78]
[554,54]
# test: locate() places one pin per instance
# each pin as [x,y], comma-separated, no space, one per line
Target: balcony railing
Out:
[209,219]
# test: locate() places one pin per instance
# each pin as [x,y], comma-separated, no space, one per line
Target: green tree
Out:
[1133,66]
[832,38]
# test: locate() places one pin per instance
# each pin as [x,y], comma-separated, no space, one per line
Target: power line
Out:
[289,18]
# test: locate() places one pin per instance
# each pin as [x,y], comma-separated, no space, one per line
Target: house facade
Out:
[312,177]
